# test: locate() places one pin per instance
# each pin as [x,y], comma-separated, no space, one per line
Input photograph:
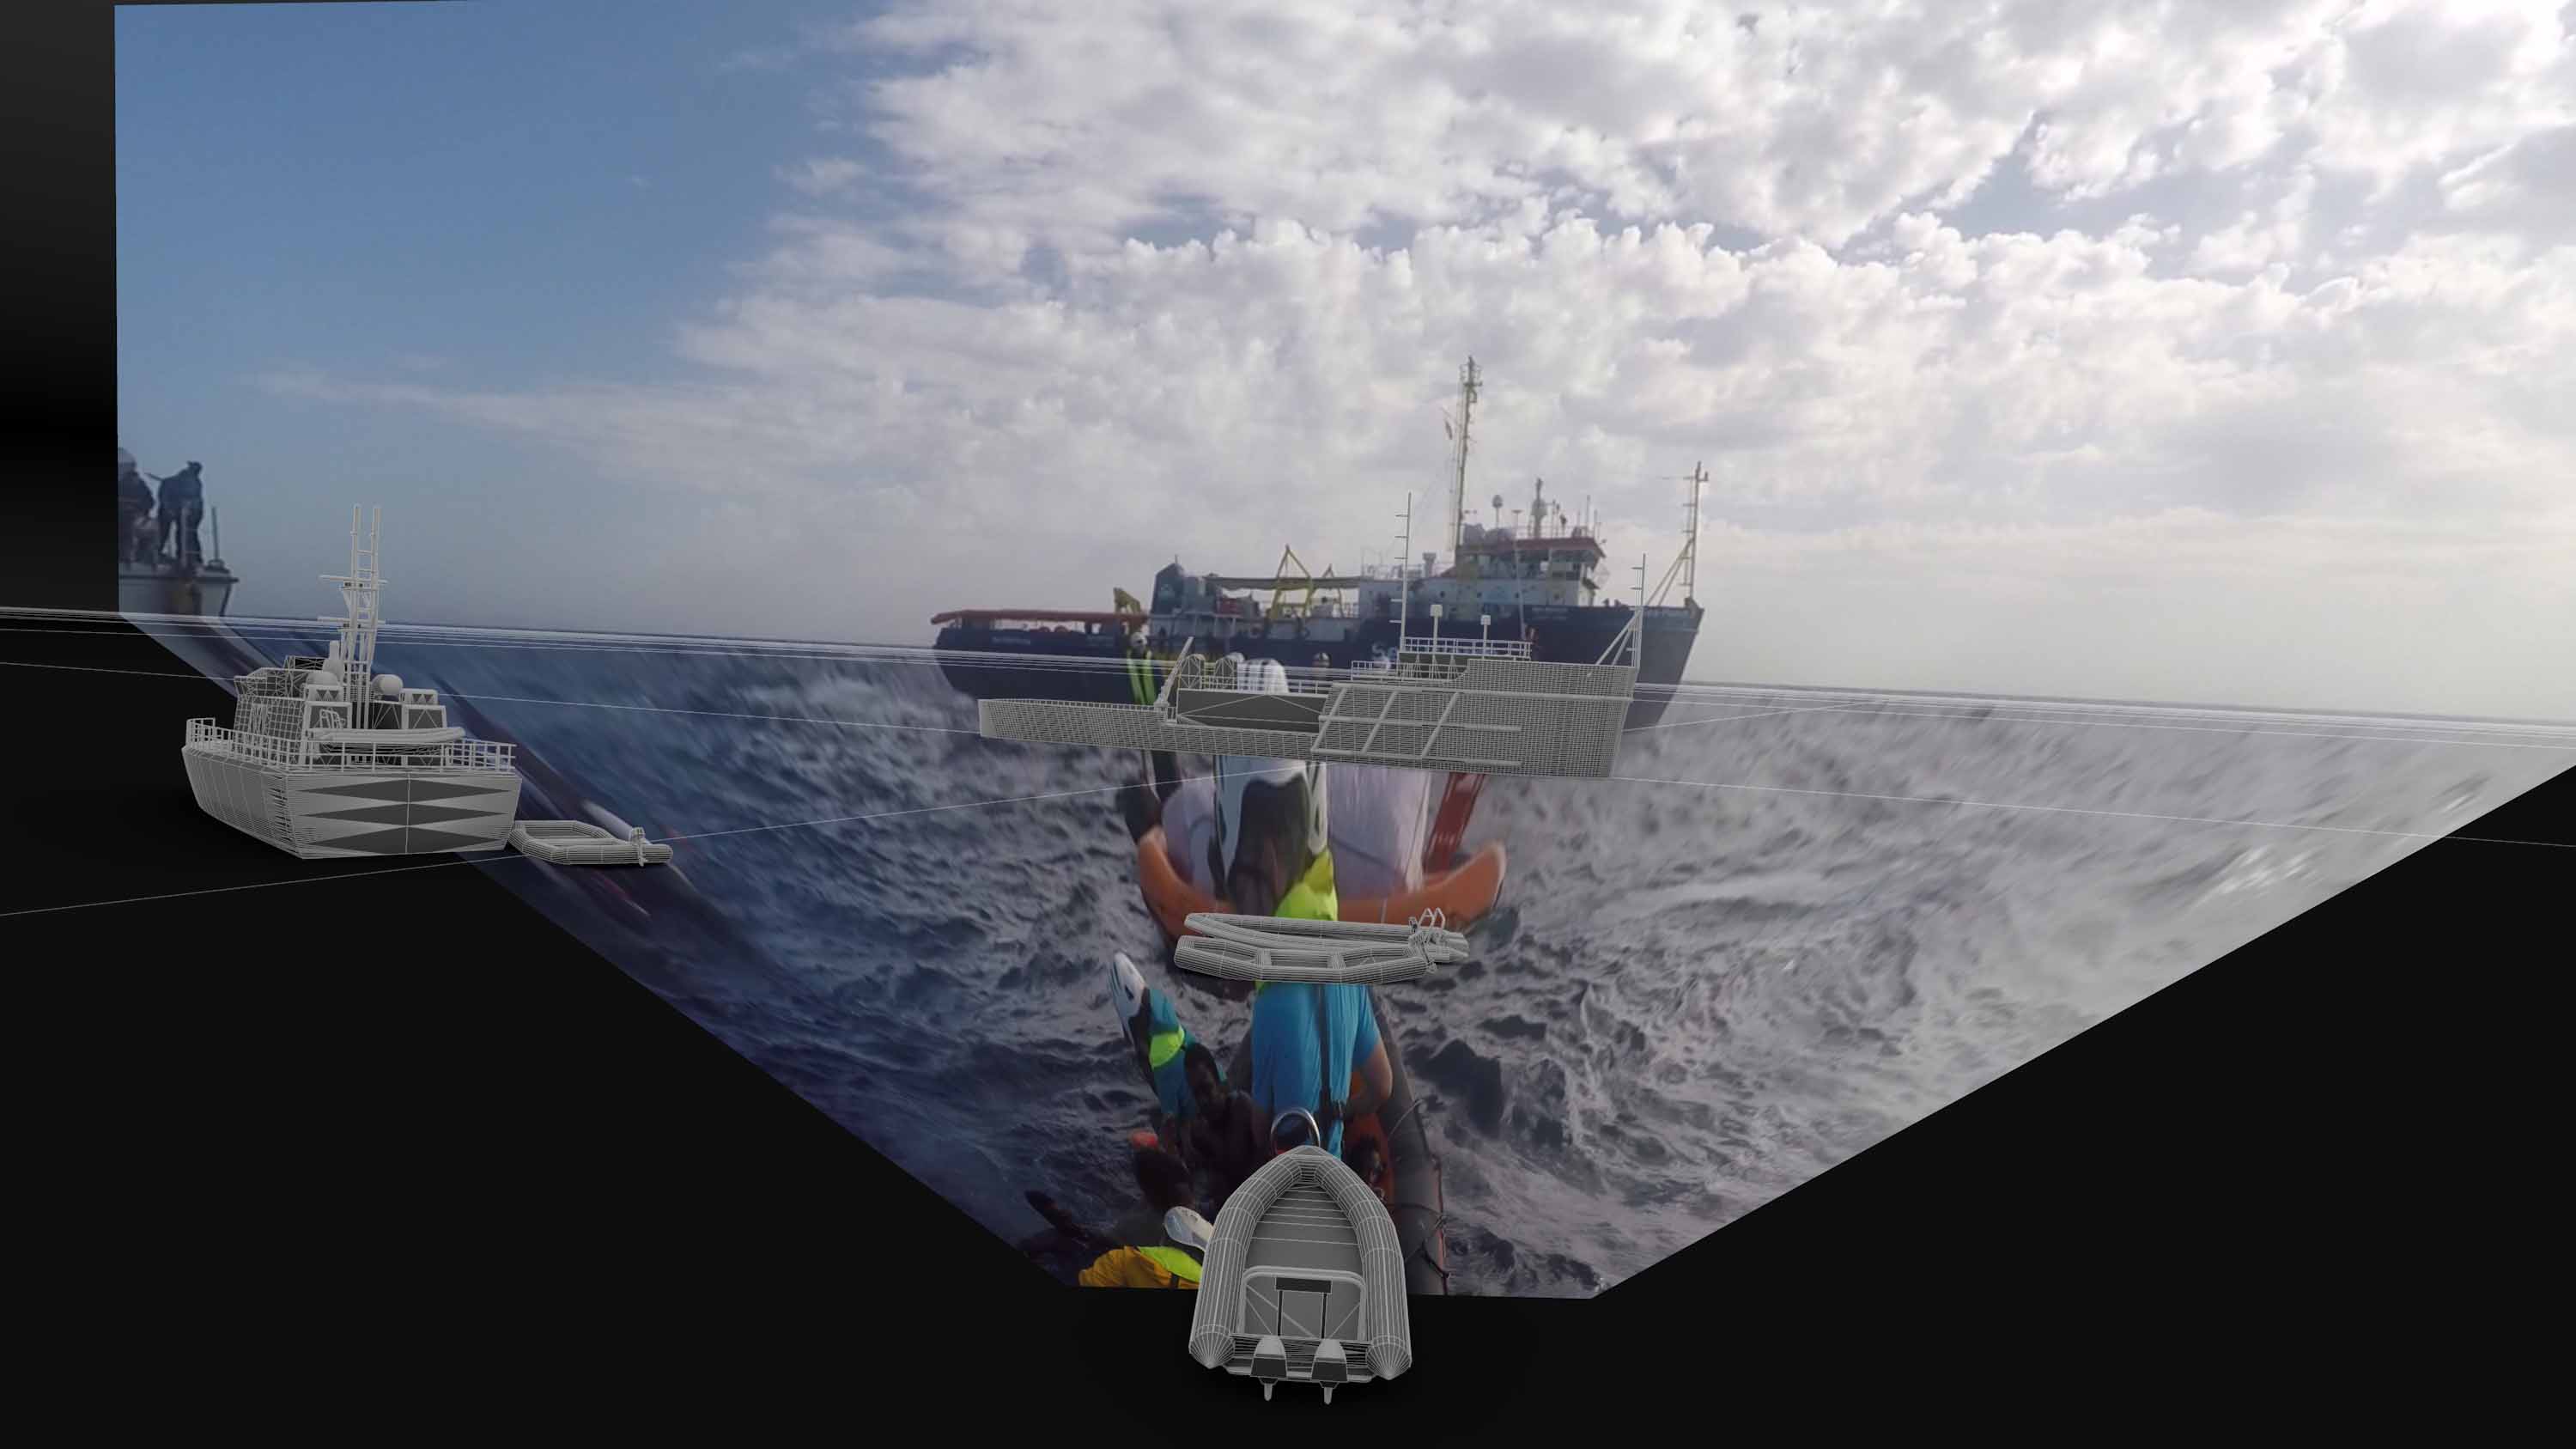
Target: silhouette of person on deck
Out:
[133,508]
[183,507]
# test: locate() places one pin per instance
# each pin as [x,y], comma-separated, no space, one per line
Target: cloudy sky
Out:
[2212,352]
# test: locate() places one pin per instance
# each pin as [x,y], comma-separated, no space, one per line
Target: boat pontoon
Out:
[578,842]
[1270,948]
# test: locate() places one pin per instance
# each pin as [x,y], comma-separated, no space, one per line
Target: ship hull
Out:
[1027,664]
[336,814]
[161,589]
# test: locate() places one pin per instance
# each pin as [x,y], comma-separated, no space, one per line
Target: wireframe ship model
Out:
[1463,705]
[327,758]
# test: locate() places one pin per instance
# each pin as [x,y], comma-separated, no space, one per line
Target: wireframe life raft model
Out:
[1439,704]
[1269,948]
[1303,1280]
[573,842]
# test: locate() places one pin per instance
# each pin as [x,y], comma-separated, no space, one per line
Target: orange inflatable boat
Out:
[1463,893]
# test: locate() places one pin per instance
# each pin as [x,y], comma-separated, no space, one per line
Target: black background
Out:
[348,1130]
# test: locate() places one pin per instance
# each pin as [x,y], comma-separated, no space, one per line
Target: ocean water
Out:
[1689,1000]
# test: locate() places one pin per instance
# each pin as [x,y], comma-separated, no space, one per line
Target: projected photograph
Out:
[2073,490]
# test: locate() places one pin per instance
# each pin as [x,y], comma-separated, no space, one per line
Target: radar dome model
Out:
[389,684]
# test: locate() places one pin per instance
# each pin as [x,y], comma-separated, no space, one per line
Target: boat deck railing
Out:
[1467,648]
[276,752]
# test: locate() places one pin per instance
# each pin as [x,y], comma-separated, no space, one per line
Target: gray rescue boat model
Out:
[1303,1280]
[1468,705]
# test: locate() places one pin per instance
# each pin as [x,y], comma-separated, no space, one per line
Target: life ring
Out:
[1464,893]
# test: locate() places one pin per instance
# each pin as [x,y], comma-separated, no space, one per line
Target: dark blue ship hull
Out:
[988,663]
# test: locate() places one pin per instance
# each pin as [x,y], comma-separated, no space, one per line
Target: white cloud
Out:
[822,176]
[2527,186]
[1670,236]
[2260,238]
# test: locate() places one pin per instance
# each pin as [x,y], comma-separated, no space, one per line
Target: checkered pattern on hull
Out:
[330,814]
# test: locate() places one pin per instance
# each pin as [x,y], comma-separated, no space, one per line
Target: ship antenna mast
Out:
[1468,383]
[358,631]
[1690,539]
[1403,585]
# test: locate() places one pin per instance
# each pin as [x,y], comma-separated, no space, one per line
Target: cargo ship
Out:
[1535,583]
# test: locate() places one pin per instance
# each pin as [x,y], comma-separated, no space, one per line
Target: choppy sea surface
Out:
[1770,948]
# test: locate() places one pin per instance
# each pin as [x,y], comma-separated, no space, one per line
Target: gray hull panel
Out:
[318,815]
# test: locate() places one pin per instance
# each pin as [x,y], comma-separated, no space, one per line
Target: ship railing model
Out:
[1486,709]
[371,751]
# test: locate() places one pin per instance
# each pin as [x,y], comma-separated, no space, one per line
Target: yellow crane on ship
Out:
[1306,599]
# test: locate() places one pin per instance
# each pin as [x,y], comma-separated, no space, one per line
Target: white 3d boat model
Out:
[1304,1280]
[327,758]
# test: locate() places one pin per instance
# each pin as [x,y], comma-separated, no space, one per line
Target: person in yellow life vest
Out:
[1163,1182]
[1173,1263]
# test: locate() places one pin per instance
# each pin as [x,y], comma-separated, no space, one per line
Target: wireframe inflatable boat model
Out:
[575,842]
[1269,948]
[1303,1280]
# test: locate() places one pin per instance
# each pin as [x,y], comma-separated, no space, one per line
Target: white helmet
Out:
[1186,1228]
